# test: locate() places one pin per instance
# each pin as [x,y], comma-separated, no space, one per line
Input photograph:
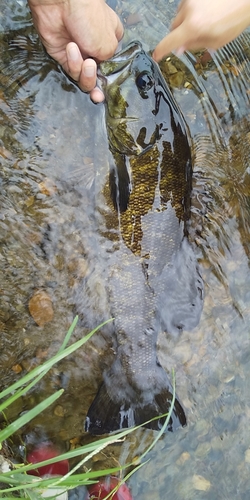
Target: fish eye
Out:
[144,81]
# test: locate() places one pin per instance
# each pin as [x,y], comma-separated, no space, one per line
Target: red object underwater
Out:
[100,490]
[45,452]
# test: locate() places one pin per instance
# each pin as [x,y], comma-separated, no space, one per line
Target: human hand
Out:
[204,24]
[73,31]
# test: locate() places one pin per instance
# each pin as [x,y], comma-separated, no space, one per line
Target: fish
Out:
[154,281]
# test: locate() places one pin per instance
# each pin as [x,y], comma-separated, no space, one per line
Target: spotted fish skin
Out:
[154,282]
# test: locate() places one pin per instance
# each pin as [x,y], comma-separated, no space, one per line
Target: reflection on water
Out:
[54,164]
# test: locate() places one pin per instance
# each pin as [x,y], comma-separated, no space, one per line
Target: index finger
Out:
[174,41]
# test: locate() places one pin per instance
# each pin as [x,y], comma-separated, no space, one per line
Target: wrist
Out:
[66,3]
[36,3]
[65,7]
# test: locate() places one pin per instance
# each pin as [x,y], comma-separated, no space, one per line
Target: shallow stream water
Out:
[54,156]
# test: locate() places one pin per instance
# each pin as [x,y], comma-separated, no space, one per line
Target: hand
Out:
[204,24]
[72,31]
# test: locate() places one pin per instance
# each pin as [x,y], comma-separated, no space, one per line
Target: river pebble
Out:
[40,308]
[201,483]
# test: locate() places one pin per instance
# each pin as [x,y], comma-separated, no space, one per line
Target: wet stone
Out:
[40,308]
[202,427]
[247,456]
[59,411]
[184,352]
[183,458]
[216,349]
[17,368]
[47,187]
[200,483]
[202,449]
[134,18]
[215,456]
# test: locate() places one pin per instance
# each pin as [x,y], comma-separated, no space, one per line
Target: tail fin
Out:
[106,415]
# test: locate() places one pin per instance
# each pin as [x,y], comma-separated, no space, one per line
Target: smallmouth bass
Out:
[154,283]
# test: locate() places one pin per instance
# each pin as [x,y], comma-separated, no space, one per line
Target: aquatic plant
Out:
[17,480]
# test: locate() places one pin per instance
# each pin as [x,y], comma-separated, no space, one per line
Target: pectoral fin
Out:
[119,182]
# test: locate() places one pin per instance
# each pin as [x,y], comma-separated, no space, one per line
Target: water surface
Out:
[54,160]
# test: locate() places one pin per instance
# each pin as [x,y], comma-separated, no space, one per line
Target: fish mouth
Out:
[100,80]
[110,70]
[121,59]
[118,76]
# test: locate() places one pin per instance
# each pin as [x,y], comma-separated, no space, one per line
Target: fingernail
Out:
[73,52]
[89,71]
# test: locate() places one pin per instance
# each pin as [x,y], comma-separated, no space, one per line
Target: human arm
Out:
[204,24]
[77,34]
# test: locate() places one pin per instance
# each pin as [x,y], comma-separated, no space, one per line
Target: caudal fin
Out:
[105,415]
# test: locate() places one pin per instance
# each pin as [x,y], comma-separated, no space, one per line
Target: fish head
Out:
[139,105]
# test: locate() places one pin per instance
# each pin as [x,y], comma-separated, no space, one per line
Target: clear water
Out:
[52,135]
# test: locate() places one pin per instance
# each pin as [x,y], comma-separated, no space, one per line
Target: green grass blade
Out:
[163,429]
[49,363]
[23,391]
[68,334]
[83,450]
[24,419]
[18,481]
